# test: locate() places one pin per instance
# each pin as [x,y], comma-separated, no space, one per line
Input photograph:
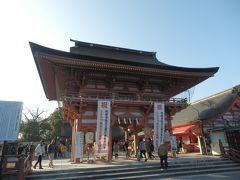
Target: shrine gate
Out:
[129,81]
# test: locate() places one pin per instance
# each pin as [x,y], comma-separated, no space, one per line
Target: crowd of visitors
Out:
[58,148]
[144,149]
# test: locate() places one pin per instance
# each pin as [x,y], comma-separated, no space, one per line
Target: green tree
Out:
[30,130]
[55,121]
[31,125]
[45,129]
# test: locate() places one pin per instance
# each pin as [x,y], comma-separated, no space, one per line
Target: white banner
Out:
[159,124]
[103,127]
[79,144]
[10,118]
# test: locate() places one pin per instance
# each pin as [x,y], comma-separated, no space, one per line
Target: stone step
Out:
[139,165]
[138,170]
[165,174]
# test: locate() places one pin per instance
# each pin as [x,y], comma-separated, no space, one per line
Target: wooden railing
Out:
[123,98]
[229,153]
[234,154]
[15,166]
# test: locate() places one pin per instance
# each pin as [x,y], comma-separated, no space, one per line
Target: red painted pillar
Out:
[135,138]
[109,157]
[73,141]
[126,133]
[169,123]
[78,128]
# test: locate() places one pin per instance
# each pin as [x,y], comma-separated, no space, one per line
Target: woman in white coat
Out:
[39,151]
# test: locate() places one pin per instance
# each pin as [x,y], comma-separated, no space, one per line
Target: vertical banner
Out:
[103,127]
[159,124]
[79,144]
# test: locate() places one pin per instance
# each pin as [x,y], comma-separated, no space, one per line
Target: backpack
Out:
[162,150]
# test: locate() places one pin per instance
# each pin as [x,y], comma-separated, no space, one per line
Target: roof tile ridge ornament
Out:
[86,44]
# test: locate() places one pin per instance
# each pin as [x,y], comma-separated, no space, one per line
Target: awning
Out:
[183,129]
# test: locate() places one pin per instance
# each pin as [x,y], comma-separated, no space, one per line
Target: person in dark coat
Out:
[163,154]
[51,151]
[150,149]
[142,149]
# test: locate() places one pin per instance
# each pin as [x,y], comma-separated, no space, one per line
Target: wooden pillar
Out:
[202,138]
[77,160]
[109,157]
[126,133]
[146,133]
[169,123]
[73,141]
[135,138]
[169,127]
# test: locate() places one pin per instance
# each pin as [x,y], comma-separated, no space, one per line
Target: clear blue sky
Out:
[187,33]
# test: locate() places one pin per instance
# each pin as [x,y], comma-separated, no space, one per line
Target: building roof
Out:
[115,55]
[207,108]
[94,57]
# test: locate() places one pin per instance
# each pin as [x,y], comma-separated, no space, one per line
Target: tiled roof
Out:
[108,54]
[206,108]
[115,53]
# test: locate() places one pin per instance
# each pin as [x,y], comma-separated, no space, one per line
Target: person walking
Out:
[39,151]
[142,149]
[63,149]
[128,148]
[116,149]
[163,154]
[51,151]
[150,149]
[180,146]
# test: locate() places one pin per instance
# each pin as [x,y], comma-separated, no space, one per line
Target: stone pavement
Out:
[64,163]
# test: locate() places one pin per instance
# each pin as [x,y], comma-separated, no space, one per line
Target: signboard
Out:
[10,118]
[79,144]
[89,137]
[103,127]
[159,124]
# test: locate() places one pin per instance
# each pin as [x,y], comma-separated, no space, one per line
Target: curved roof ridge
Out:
[87,44]
[207,108]
[150,62]
[217,94]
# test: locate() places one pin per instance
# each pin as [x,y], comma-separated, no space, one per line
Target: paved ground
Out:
[64,163]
